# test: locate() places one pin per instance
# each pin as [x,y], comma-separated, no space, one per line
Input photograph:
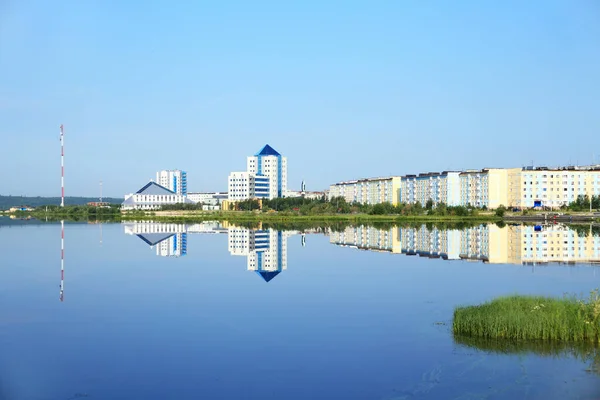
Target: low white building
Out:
[151,197]
[209,200]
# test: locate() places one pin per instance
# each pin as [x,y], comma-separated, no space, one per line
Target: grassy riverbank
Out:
[532,318]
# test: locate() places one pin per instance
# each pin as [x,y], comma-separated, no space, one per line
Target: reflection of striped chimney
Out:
[62,259]
[62,166]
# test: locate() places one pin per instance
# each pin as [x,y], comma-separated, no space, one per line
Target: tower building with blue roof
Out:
[265,177]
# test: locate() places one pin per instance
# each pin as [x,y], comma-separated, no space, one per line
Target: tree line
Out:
[339,205]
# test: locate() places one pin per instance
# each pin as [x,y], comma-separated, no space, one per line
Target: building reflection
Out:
[511,244]
[170,240]
[265,249]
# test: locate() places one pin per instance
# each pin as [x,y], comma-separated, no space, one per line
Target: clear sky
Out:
[344,89]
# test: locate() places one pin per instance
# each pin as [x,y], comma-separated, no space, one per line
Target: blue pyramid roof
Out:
[154,188]
[268,275]
[267,151]
[153,239]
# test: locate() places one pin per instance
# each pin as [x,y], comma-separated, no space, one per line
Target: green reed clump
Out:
[532,318]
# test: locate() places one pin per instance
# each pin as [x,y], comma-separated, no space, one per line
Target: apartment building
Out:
[173,179]
[438,187]
[408,189]
[544,187]
[368,191]
[491,187]
[487,187]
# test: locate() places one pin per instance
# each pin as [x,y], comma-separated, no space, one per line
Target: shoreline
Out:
[251,216]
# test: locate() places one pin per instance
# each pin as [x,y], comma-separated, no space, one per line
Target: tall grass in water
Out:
[532,318]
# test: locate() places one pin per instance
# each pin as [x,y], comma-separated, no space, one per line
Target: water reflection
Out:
[353,333]
[265,249]
[511,244]
[585,352]
[170,240]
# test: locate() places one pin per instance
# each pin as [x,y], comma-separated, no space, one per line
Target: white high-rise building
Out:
[174,180]
[265,177]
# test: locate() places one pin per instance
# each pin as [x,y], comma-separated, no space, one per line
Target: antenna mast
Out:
[62,166]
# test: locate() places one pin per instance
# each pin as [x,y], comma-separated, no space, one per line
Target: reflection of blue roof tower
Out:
[270,169]
[266,250]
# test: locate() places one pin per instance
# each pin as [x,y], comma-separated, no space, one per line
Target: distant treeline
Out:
[7,202]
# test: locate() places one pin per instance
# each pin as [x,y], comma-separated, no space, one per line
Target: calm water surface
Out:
[155,311]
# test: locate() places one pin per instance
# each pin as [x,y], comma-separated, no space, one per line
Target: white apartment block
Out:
[543,187]
[241,186]
[175,180]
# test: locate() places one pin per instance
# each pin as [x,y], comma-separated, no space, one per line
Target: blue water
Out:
[338,323]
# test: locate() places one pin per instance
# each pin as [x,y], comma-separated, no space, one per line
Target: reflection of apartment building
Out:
[368,238]
[368,191]
[266,250]
[433,243]
[554,244]
[487,243]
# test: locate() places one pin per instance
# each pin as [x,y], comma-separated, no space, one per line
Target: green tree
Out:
[500,211]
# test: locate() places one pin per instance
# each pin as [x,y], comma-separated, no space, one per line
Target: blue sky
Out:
[344,89]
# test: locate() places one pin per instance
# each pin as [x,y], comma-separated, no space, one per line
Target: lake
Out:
[214,311]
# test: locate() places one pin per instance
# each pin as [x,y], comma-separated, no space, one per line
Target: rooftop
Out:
[267,151]
[154,188]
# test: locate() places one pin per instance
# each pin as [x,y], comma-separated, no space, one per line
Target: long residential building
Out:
[511,187]
[368,191]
